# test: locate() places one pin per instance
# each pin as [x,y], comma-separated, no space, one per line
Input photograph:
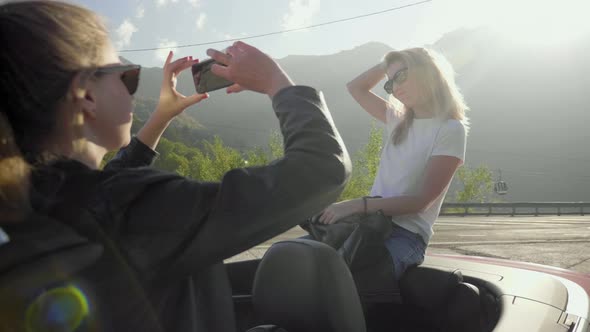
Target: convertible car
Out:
[303,285]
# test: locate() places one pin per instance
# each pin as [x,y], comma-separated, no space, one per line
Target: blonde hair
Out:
[436,77]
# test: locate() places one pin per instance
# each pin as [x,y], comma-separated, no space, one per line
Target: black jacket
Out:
[167,229]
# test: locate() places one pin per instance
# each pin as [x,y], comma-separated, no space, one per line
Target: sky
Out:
[136,24]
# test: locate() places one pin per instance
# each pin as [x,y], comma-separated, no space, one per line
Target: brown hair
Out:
[44,45]
[436,78]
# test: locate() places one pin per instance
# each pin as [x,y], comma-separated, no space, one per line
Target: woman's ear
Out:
[81,93]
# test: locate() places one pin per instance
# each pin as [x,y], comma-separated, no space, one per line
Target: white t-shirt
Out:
[402,167]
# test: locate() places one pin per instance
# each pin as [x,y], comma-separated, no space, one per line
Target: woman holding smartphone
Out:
[426,136]
[67,101]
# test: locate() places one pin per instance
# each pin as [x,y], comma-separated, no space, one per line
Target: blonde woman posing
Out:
[426,126]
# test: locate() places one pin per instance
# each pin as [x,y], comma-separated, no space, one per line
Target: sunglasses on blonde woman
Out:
[129,75]
[398,78]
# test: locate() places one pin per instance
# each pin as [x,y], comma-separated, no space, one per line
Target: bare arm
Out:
[360,89]
[438,175]
[152,130]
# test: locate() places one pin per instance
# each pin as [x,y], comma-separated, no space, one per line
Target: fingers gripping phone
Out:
[205,80]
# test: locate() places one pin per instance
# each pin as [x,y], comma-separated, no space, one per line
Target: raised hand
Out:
[171,102]
[250,69]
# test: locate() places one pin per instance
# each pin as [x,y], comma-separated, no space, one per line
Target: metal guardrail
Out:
[512,209]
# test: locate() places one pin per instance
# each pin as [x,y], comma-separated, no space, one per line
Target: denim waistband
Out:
[398,228]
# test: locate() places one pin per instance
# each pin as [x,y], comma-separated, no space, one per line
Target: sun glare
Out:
[544,22]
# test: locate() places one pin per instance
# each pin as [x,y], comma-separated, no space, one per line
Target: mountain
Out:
[529,107]
[246,119]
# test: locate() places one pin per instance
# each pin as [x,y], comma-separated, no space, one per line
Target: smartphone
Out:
[205,80]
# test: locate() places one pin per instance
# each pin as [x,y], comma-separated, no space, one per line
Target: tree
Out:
[259,156]
[175,157]
[275,145]
[364,166]
[477,184]
[216,160]
[213,159]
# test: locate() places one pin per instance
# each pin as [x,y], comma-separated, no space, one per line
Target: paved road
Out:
[562,241]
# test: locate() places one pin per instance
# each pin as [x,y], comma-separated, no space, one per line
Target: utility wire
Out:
[278,32]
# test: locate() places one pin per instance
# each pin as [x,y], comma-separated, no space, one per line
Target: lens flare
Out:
[58,309]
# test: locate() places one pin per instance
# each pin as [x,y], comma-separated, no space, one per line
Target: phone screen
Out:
[205,80]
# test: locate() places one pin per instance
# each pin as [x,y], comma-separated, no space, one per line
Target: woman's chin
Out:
[125,141]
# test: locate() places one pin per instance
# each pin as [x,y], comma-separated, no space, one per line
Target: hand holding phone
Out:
[250,69]
[204,78]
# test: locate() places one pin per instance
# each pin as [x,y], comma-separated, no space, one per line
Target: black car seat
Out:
[444,298]
[305,286]
[376,282]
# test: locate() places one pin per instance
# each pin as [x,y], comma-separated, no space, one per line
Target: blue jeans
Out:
[406,249]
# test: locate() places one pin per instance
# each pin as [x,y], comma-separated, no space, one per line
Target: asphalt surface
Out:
[561,241]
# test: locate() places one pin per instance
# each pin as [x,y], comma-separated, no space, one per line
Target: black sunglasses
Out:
[129,76]
[398,78]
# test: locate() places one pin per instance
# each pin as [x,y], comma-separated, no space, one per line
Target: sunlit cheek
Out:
[122,104]
[118,132]
[417,93]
